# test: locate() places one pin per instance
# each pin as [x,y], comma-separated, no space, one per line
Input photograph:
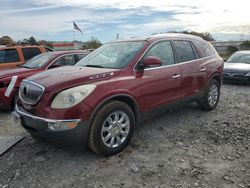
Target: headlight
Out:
[248,74]
[71,97]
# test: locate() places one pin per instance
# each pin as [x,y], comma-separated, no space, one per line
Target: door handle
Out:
[203,69]
[176,76]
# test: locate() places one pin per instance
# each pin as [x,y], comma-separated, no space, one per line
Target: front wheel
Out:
[111,129]
[211,99]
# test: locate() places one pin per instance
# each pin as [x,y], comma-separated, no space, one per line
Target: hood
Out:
[70,76]
[9,72]
[237,68]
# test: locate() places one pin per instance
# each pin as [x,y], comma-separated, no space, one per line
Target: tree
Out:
[45,43]
[92,44]
[231,49]
[245,45]
[31,41]
[6,40]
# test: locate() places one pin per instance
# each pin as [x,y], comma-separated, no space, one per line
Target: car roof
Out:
[243,52]
[20,46]
[160,37]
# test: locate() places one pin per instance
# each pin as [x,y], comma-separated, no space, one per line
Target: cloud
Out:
[103,19]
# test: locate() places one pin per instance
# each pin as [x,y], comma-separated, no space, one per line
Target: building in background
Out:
[222,46]
[60,46]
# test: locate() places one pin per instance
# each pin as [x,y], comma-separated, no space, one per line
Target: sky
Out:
[104,19]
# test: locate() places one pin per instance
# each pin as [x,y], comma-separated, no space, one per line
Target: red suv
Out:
[10,78]
[101,99]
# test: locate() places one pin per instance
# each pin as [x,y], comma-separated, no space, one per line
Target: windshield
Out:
[239,58]
[38,61]
[112,55]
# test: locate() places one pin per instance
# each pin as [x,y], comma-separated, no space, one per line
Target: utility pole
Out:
[117,36]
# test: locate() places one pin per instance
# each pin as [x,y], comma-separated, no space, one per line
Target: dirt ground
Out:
[183,148]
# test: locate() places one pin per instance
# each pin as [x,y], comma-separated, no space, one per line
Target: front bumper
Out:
[5,102]
[38,127]
[236,79]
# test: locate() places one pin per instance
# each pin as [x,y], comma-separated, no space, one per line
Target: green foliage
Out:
[245,45]
[92,44]
[45,43]
[232,49]
[6,40]
[31,41]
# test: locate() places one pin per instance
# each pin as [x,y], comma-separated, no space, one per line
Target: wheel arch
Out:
[125,98]
[216,77]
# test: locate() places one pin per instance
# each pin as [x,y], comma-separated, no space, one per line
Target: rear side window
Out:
[28,53]
[184,51]
[65,60]
[78,57]
[164,51]
[8,56]
[206,48]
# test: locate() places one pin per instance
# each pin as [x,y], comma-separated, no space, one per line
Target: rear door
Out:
[193,69]
[30,52]
[9,57]
[160,85]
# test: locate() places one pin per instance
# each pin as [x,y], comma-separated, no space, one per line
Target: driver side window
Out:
[164,51]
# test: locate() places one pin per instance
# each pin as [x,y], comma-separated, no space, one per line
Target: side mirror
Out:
[151,61]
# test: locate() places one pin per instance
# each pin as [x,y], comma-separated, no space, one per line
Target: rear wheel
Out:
[111,129]
[211,99]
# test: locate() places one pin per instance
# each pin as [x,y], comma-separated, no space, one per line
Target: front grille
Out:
[233,74]
[30,92]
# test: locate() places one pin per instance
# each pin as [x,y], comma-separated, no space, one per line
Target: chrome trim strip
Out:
[44,119]
[162,40]
[31,82]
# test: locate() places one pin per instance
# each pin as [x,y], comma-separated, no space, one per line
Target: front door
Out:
[160,85]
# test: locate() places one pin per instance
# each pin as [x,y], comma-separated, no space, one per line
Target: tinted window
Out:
[197,55]
[28,53]
[184,51]
[9,55]
[113,55]
[206,48]
[162,50]
[65,60]
[78,57]
[239,58]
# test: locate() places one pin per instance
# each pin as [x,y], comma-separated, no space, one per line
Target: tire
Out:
[114,121]
[211,98]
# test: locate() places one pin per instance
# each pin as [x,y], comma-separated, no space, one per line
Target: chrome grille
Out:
[30,92]
[233,74]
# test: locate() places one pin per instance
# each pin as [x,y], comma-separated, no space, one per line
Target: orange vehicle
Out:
[17,55]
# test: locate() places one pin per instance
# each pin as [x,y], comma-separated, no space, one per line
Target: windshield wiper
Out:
[98,66]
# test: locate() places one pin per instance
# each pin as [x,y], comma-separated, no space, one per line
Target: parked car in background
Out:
[121,83]
[17,55]
[11,78]
[237,68]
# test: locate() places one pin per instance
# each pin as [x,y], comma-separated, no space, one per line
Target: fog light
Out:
[61,126]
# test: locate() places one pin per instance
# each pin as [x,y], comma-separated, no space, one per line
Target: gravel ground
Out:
[183,148]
